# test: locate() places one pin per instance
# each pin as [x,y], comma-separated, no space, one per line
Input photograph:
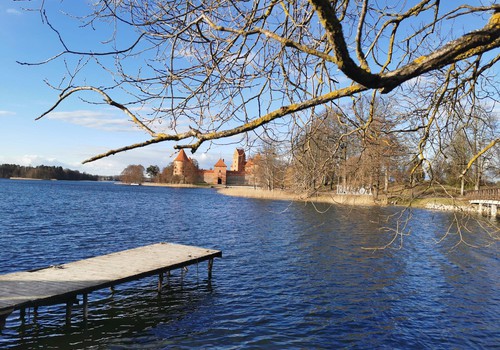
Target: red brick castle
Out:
[241,172]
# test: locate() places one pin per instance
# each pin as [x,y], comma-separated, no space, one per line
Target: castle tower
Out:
[180,163]
[220,172]
[238,160]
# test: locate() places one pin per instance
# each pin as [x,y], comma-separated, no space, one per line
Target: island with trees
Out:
[43,172]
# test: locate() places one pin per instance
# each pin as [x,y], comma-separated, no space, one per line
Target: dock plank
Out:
[59,283]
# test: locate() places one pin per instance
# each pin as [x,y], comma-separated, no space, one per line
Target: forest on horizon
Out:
[43,172]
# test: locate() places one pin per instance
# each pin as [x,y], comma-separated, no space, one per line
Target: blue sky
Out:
[75,131]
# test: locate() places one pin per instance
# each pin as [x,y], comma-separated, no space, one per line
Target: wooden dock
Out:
[64,283]
[485,203]
[486,198]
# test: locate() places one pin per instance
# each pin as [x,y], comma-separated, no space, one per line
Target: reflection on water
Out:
[290,277]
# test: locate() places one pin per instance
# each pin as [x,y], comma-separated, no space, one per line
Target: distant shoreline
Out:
[257,193]
[158,184]
[433,203]
[328,198]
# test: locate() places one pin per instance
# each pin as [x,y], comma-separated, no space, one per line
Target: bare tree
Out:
[269,166]
[479,133]
[191,172]
[213,69]
[353,146]
[167,174]
[319,153]
[133,174]
[464,142]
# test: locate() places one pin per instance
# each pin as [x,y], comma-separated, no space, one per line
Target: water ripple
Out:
[290,277]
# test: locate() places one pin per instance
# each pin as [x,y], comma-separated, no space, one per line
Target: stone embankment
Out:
[438,203]
[450,207]
[249,192]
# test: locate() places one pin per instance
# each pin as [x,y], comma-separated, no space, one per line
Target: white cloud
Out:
[35,160]
[94,119]
[184,52]
[419,80]
[32,160]
[107,166]
[114,165]
[12,11]
[160,155]
[6,113]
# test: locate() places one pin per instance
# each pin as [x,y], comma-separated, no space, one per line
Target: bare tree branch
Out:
[215,69]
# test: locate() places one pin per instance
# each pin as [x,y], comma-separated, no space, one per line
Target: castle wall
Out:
[212,176]
[207,176]
[232,178]
[236,178]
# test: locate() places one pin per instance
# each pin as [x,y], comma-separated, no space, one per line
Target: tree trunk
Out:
[386,180]
[477,183]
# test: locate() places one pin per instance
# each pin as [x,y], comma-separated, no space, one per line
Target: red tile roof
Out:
[181,157]
[220,163]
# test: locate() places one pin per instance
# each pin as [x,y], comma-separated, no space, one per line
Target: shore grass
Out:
[435,198]
[330,198]
[418,198]
[158,184]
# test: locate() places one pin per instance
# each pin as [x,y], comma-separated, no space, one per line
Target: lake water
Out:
[291,275]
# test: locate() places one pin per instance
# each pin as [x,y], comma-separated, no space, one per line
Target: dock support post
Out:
[493,211]
[210,266]
[69,306]
[35,311]
[160,282]
[480,209]
[85,306]
[3,321]
[3,317]
[22,314]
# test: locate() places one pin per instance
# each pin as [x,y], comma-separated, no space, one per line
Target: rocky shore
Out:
[435,203]
[438,203]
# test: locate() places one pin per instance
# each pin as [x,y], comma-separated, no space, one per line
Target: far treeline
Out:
[43,172]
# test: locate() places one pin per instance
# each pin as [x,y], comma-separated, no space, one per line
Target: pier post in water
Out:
[3,317]
[85,306]
[160,282]
[210,266]
[69,307]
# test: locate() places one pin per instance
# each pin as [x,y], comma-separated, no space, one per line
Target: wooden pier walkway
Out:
[489,197]
[63,283]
